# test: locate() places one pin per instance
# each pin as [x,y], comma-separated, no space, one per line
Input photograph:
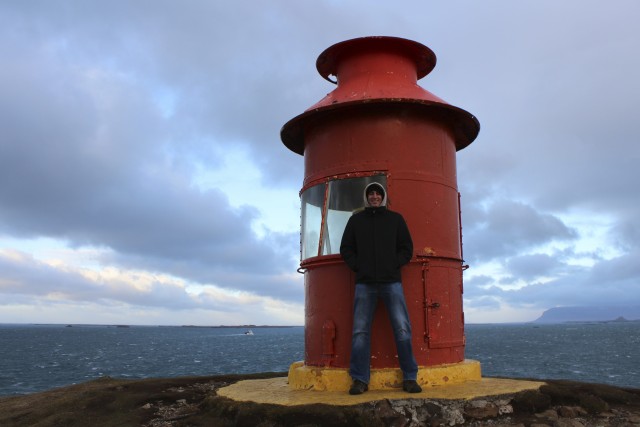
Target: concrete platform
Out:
[277,391]
[302,377]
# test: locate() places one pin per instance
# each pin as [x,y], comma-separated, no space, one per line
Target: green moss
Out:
[592,404]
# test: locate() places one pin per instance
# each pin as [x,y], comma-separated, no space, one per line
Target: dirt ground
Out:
[192,401]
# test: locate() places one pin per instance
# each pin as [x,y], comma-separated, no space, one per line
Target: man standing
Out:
[376,243]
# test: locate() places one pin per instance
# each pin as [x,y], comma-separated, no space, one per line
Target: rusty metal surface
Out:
[379,70]
[378,120]
[423,58]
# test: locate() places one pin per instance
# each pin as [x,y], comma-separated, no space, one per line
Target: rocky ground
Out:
[192,401]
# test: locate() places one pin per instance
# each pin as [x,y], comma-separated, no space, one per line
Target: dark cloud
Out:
[611,282]
[528,267]
[108,109]
[505,227]
[87,157]
[626,234]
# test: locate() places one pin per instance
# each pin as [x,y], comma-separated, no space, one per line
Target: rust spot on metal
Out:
[428,251]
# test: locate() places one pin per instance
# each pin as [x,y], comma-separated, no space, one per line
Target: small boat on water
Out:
[248,332]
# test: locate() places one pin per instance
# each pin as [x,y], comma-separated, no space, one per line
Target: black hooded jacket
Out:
[376,243]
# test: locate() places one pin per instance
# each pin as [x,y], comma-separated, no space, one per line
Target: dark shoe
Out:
[411,386]
[358,387]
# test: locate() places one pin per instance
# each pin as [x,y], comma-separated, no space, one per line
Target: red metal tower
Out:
[380,125]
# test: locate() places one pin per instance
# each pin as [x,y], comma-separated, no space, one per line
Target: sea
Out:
[35,358]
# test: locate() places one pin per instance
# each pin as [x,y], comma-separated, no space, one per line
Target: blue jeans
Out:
[365,302]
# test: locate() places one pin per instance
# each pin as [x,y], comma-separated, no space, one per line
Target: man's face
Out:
[374,198]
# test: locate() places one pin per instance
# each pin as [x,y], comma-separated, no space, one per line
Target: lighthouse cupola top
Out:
[374,70]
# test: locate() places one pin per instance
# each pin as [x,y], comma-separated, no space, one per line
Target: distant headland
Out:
[590,314]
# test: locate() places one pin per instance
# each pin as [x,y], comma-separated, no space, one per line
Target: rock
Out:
[480,409]
[549,414]
[478,403]
[568,411]
[567,422]
[531,401]
[452,416]
[505,409]
[384,410]
[193,401]
[634,419]
[580,411]
[388,415]
[433,409]
[406,408]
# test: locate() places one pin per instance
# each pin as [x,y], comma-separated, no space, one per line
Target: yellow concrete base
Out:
[276,391]
[302,377]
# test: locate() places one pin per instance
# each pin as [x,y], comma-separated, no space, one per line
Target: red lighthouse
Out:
[380,125]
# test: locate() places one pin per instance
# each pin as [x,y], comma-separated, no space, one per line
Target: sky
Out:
[143,179]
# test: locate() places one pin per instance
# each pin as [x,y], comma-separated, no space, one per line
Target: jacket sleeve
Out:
[348,248]
[404,244]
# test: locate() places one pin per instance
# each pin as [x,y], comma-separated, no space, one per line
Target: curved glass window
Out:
[326,208]
[311,220]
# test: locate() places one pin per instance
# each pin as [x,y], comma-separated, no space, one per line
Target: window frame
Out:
[324,226]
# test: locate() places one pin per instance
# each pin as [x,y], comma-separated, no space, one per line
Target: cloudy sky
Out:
[143,180]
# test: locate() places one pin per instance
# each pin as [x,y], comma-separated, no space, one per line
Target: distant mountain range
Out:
[590,314]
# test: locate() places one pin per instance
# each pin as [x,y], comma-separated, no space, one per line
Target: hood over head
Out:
[380,188]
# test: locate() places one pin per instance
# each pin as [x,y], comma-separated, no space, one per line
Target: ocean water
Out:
[39,357]
[607,353]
